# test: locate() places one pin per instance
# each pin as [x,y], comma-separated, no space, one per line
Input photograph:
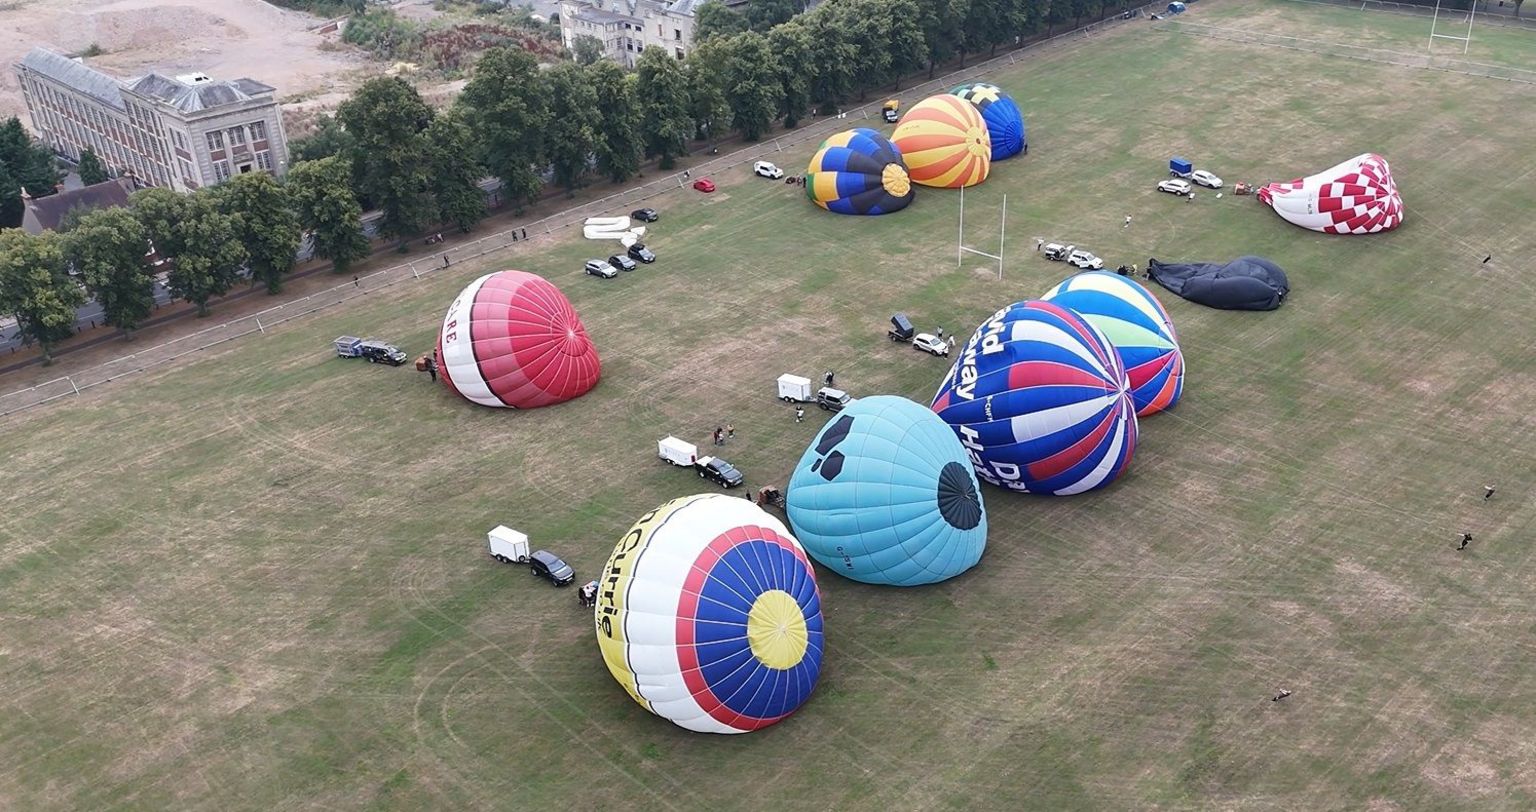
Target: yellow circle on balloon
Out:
[895,180]
[776,630]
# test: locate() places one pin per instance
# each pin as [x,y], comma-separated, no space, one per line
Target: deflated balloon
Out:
[886,495]
[708,615]
[1040,402]
[858,172]
[1136,324]
[1358,196]
[512,339]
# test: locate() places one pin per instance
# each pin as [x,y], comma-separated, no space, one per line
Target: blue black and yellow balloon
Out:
[858,172]
[1005,122]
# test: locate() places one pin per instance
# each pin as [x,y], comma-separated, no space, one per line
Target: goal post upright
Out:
[961,248]
[1466,41]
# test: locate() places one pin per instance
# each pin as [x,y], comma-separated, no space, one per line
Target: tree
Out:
[11,207]
[752,85]
[764,15]
[211,254]
[386,119]
[661,93]
[328,209]
[940,23]
[789,44]
[107,249]
[617,146]
[329,138]
[573,122]
[909,50]
[867,26]
[508,111]
[161,211]
[1517,7]
[29,163]
[587,49]
[456,173]
[90,169]
[831,60]
[36,289]
[716,19]
[704,71]
[265,225]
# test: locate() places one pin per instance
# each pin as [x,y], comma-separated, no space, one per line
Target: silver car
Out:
[597,267]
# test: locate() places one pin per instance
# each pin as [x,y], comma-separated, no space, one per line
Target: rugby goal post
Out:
[961,249]
[1466,41]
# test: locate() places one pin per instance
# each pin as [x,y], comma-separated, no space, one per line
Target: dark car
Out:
[545,564]
[645,215]
[719,471]
[377,352]
[622,262]
[638,251]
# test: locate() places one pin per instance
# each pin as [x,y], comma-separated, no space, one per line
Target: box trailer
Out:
[1180,168]
[793,388]
[676,451]
[507,545]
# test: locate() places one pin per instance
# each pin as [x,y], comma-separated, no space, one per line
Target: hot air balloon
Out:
[1245,283]
[1136,324]
[858,172]
[944,142]
[886,495]
[511,339]
[1355,197]
[1040,401]
[708,615]
[1005,124]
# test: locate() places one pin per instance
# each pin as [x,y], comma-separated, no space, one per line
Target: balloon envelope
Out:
[1005,123]
[944,142]
[1136,324]
[512,339]
[1040,401]
[858,172]
[1358,196]
[1245,283]
[708,615]
[886,495]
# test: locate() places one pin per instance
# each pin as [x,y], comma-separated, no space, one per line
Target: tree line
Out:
[387,149]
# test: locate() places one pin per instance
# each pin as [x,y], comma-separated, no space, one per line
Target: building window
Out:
[221,170]
[677,34]
[237,136]
[679,54]
[215,141]
[264,160]
[258,130]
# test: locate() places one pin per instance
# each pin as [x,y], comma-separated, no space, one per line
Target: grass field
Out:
[259,581]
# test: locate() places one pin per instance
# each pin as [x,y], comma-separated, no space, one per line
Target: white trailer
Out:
[676,451]
[794,389]
[507,545]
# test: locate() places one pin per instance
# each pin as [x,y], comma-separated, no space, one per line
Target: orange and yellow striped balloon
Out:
[945,143]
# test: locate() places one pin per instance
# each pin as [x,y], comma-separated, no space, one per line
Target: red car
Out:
[704,185]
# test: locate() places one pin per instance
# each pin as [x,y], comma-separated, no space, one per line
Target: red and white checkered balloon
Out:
[1355,197]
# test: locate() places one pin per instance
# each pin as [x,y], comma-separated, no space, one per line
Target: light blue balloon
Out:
[886,494]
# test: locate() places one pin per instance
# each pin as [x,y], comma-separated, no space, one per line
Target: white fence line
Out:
[266,320]
[1360,52]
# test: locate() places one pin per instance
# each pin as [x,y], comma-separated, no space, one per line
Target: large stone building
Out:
[626,27]
[182,133]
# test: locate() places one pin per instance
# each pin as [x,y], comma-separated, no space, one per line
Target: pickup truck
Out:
[377,352]
[719,472]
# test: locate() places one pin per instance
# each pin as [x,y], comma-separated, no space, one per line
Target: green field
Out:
[258,581]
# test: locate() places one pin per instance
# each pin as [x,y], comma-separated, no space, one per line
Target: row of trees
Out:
[211,239]
[24,164]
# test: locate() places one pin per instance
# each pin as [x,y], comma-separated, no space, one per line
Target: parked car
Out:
[640,253]
[1055,250]
[833,400]
[597,267]
[763,169]
[704,185]
[719,472]
[1205,179]
[622,262]
[377,352]
[645,215]
[929,343]
[1174,186]
[1085,260]
[545,564]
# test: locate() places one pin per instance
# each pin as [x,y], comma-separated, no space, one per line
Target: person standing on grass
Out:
[951,340]
[1038,243]
[432,368]
[1466,538]
[1283,694]
[1487,492]
[730,430]
[1127,222]
[828,377]
[799,414]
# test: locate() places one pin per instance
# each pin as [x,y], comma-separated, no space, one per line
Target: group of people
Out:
[722,433]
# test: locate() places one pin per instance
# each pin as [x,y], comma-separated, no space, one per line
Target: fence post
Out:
[72,384]
[259,327]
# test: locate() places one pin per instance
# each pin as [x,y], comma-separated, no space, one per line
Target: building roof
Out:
[47,213]
[198,97]
[74,74]
[597,15]
[685,7]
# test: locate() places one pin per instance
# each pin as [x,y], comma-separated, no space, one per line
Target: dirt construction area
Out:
[226,39]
